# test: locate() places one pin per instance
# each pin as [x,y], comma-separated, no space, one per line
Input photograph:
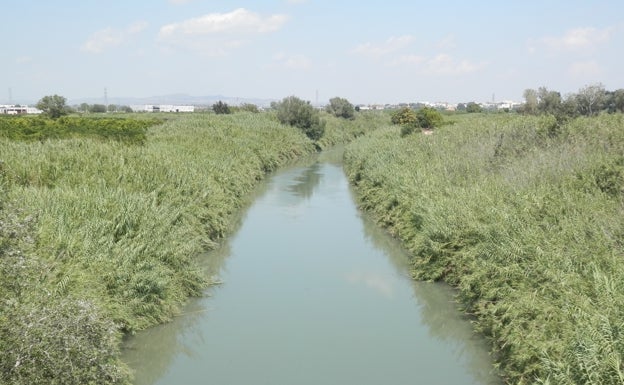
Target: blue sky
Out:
[366,51]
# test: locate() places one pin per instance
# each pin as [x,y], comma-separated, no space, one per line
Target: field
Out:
[102,222]
[524,215]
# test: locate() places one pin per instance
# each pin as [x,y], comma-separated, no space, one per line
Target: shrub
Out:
[340,108]
[221,108]
[298,113]
[428,117]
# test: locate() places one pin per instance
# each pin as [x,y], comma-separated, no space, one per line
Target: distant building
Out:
[11,109]
[162,108]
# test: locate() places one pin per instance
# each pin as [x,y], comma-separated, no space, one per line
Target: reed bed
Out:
[100,237]
[524,216]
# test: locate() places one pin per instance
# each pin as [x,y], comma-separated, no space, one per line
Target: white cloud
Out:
[240,21]
[297,62]
[391,45]
[444,64]
[23,59]
[590,69]
[447,43]
[109,37]
[578,38]
[407,60]
[217,33]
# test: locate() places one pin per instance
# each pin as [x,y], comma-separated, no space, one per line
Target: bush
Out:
[340,108]
[429,117]
[221,108]
[298,113]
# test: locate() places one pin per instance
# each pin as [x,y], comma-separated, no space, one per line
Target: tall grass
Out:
[98,237]
[525,217]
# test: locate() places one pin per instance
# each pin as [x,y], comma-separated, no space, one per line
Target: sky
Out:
[388,51]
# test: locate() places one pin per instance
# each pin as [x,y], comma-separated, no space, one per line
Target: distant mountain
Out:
[177,99]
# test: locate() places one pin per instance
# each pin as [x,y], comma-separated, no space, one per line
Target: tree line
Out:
[588,101]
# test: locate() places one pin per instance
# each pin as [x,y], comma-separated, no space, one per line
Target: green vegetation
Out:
[340,108]
[588,101]
[413,121]
[100,238]
[526,221]
[54,106]
[221,108]
[298,113]
[29,128]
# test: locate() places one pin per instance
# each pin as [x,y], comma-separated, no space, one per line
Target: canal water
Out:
[313,292]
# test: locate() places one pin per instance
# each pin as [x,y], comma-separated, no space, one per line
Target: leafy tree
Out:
[98,108]
[84,107]
[112,108]
[126,109]
[530,101]
[53,105]
[429,117]
[404,116]
[591,99]
[341,108]
[298,113]
[549,101]
[221,108]
[473,107]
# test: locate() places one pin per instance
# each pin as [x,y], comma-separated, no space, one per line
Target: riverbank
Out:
[524,216]
[99,238]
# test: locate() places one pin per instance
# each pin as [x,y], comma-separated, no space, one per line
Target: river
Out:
[313,292]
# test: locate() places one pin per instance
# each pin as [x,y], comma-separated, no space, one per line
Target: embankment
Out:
[525,217]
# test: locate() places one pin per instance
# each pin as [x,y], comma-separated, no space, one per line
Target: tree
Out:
[530,101]
[98,108]
[112,108]
[473,107]
[298,113]
[126,109]
[340,108]
[84,107]
[221,108]
[549,101]
[590,99]
[404,116]
[53,105]
[429,117]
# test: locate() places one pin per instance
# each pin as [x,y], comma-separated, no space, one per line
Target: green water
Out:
[312,293]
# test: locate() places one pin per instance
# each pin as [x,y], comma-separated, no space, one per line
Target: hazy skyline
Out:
[368,52]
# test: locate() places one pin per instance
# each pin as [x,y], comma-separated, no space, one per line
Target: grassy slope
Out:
[97,236]
[526,219]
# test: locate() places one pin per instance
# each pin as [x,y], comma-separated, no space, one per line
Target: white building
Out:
[11,109]
[162,108]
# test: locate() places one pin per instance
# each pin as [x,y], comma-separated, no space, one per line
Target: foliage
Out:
[221,108]
[410,121]
[473,107]
[589,101]
[404,116]
[28,128]
[298,113]
[53,106]
[109,235]
[249,107]
[528,226]
[341,108]
[428,117]
[97,108]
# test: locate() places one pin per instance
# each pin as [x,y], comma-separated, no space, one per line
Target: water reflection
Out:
[306,182]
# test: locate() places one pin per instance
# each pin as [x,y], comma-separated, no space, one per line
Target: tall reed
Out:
[524,216]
